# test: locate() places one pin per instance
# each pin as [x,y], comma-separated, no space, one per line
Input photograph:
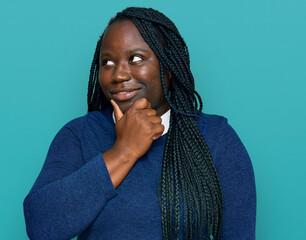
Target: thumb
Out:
[117,111]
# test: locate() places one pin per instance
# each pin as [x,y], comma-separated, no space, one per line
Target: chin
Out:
[124,106]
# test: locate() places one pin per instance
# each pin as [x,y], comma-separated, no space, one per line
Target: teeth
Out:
[122,92]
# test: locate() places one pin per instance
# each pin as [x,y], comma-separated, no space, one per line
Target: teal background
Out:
[249,62]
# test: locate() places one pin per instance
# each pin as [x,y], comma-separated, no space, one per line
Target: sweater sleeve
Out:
[68,194]
[237,181]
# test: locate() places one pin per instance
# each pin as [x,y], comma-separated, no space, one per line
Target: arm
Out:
[67,196]
[135,131]
[236,176]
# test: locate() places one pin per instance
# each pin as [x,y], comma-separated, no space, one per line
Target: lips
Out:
[124,94]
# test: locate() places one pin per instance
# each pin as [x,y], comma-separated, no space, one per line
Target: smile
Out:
[125,95]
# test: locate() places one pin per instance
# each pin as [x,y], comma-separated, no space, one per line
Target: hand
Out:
[137,128]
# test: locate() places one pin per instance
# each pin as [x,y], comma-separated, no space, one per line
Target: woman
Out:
[130,168]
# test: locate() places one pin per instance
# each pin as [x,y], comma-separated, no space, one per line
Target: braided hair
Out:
[188,182]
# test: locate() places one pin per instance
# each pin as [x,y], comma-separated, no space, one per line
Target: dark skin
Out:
[129,76]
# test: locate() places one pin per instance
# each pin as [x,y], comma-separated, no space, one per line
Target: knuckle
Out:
[161,128]
[159,120]
[151,112]
[147,129]
[141,100]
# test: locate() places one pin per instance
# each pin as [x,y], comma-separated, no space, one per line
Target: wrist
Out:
[124,153]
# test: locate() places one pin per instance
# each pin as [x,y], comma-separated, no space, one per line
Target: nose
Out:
[121,72]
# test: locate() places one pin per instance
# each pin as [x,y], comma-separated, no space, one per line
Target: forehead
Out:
[121,35]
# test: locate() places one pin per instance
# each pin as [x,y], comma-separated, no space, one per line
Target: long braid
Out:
[188,176]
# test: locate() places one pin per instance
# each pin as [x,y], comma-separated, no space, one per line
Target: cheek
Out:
[144,74]
[103,84]
[148,72]
[152,75]
[154,88]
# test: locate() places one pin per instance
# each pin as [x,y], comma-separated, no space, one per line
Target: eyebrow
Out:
[104,55]
[138,50]
[131,51]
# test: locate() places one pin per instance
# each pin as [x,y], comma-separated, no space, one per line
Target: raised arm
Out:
[135,131]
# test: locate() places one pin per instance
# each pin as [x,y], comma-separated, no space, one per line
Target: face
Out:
[129,69]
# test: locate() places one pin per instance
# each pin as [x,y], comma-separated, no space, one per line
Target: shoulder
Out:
[214,128]
[91,122]
[93,125]
[224,143]
[212,123]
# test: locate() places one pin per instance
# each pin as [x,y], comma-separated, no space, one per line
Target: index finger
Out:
[117,111]
[141,103]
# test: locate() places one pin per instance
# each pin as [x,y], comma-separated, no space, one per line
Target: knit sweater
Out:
[74,196]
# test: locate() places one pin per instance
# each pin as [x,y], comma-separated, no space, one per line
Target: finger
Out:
[150,112]
[149,106]
[159,129]
[141,103]
[117,111]
[155,119]
[156,136]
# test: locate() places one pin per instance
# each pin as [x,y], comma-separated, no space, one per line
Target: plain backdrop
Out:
[249,63]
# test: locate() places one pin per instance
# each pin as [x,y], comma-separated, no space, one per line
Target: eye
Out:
[107,63]
[135,59]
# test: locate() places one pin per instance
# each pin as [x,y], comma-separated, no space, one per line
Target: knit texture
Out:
[74,196]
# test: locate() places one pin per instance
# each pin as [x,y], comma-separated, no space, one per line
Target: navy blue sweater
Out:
[74,196]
